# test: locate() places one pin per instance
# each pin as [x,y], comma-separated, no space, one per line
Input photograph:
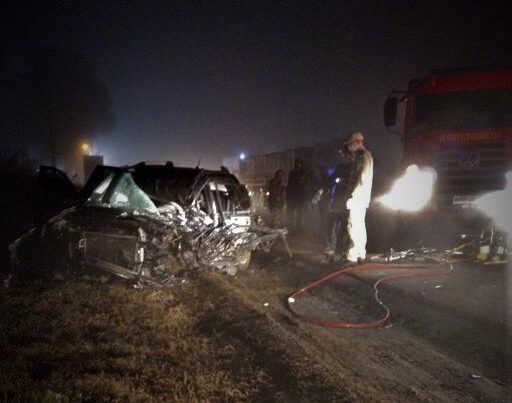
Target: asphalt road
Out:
[464,313]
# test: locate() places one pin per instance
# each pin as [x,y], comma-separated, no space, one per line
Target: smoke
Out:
[412,192]
[497,206]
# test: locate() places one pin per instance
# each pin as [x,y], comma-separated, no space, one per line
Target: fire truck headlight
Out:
[412,192]
[411,169]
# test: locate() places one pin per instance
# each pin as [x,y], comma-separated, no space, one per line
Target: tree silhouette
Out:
[63,102]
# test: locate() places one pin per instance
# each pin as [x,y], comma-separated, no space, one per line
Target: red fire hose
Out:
[369,266]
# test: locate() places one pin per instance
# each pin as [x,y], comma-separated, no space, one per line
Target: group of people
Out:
[294,195]
[342,199]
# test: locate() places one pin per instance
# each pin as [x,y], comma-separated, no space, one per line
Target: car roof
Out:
[158,168]
[167,169]
[163,180]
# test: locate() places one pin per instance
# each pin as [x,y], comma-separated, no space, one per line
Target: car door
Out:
[232,201]
[54,192]
[99,173]
[224,199]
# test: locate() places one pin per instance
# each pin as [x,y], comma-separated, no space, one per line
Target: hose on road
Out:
[423,269]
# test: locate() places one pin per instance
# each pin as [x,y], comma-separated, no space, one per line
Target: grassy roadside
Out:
[93,342]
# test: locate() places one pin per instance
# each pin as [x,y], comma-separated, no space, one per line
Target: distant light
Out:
[85,147]
[337,180]
[242,156]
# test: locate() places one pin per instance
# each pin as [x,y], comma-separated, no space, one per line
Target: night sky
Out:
[208,80]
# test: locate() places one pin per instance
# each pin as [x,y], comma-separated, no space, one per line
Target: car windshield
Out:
[148,189]
[482,109]
[119,191]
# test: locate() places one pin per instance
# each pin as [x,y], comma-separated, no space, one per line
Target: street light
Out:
[242,156]
[85,148]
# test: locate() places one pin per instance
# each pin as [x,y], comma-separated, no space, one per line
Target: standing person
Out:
[276,199]
[348,197]
[296,195]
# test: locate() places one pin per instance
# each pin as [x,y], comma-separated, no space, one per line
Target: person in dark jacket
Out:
[276,199]
[348,196]
[297,195]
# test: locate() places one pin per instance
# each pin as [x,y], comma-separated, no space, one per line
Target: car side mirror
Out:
[390,111]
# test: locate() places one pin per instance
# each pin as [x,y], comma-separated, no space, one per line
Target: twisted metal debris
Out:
[151,224]
[166,247]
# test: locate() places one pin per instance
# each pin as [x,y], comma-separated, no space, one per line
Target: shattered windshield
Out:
[120,191]
[482,109]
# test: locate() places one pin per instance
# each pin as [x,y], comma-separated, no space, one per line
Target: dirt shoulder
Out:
[97,342]
[216,338]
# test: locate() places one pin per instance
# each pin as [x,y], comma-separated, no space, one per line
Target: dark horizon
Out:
[190,81]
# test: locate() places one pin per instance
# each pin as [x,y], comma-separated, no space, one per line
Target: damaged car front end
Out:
[151,224]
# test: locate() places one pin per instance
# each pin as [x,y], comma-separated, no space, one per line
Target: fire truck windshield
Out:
[480,109]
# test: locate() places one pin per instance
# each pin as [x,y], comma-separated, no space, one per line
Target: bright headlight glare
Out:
[412,192]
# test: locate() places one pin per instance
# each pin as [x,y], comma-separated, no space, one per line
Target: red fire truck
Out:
[458,122]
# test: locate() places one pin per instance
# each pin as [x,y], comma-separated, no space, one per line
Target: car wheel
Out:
[244,259]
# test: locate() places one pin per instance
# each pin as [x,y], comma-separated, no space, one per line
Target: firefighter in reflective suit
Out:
[347,196]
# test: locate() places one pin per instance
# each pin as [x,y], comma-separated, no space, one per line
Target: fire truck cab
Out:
[458,122]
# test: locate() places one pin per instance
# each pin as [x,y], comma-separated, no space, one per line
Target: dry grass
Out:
[91,342]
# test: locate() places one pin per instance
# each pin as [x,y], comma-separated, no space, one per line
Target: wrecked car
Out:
[148,223]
